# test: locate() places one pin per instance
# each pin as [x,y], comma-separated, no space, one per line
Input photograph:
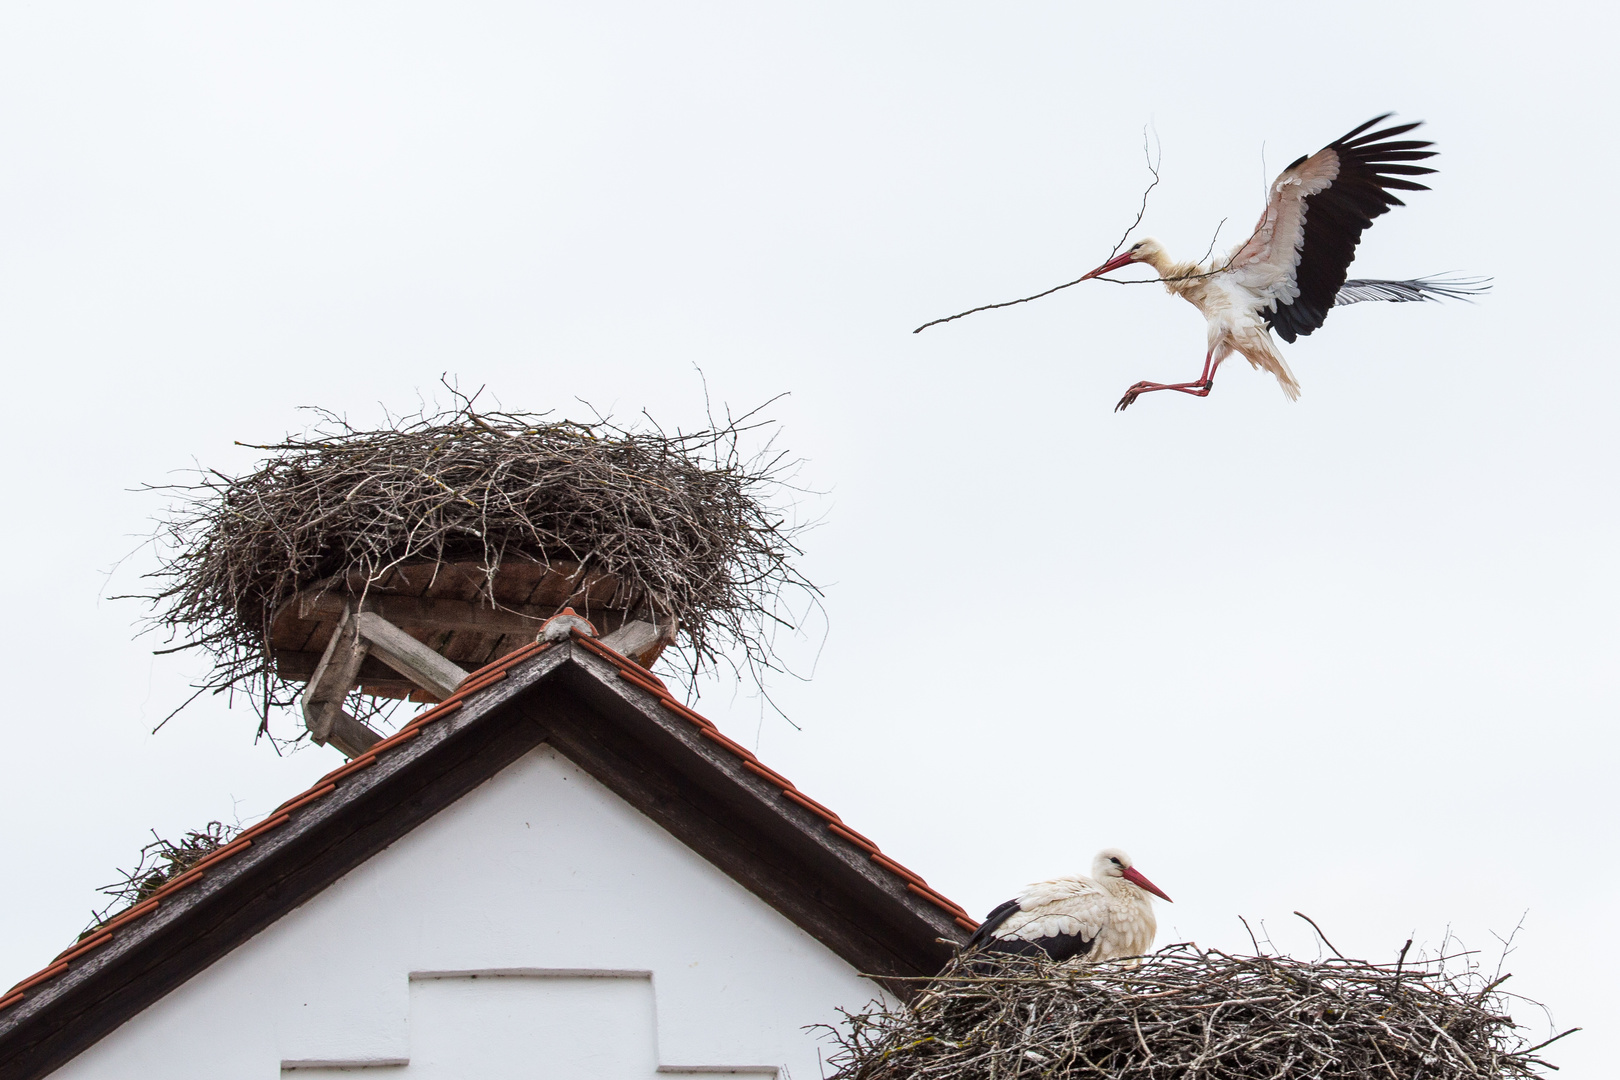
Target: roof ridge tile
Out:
[78,948]
[39,977]
[621,660]
[308,796]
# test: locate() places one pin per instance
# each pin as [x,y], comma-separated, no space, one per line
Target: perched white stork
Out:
[1102,917]
[1292,270]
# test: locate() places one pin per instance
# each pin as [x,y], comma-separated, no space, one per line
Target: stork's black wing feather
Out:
[1057,946]
[1371,169]
[991,922]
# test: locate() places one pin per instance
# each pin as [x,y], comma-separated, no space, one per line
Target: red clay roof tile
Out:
[623,662]
[646,684]
[900,871]
[854,837]
[713,734]
[265,826]
[39,977]
[753,766]
[814,807]
[307,797]
[365,760]
[937,900]
[438,712]
[682,711]
[131,914]
[79,949]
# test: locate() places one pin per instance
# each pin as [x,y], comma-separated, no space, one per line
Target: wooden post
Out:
[323,696]
[641,641]
[409,657]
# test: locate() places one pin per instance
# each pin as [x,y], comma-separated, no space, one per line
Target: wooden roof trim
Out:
[812,822]
[646,680]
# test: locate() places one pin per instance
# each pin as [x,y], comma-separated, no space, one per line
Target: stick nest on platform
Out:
[160,862]
[687,520]
[1186,1012]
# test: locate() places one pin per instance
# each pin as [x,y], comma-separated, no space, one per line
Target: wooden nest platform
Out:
[402,555]
[467,616]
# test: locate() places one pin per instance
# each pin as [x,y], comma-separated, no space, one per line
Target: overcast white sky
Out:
[1353,656]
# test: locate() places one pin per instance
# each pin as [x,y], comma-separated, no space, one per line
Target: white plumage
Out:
[1106,916]
[1292,270]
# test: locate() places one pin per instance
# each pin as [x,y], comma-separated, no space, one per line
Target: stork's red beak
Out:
[1131,875]
[1113,264]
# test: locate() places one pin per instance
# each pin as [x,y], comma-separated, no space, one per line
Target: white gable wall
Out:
[519,929]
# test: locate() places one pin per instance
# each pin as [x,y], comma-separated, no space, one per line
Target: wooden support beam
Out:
[409,657]
[322,699]
[641,641]
[350,736]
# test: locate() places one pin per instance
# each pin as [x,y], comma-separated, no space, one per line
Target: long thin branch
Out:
[1153,167]
[1006,303]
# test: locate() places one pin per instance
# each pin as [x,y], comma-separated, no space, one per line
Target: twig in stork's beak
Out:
[1131,874]
[1112,264]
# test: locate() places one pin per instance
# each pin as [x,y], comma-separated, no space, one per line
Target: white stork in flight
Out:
[1102,917]
[1292,270]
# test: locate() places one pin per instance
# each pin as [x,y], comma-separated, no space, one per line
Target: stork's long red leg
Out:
[1199,388]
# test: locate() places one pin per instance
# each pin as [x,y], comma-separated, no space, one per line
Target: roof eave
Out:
[616,724]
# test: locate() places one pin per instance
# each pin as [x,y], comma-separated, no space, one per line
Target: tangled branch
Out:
[686,521]
[160,862]
[1187,1012]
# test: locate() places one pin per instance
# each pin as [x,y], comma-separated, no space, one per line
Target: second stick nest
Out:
[686,522]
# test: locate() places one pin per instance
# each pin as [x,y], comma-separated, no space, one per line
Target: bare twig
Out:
[1153,167]
[1250,931]
[1319,934]
[1186,1012]
[1216,235]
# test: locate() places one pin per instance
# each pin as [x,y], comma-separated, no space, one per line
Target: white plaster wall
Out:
[578,916]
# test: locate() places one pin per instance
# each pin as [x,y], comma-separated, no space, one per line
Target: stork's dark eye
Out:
[1134,247]
[1115,861]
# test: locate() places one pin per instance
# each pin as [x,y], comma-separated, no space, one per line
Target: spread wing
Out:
[1301,250]
[1404,292]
